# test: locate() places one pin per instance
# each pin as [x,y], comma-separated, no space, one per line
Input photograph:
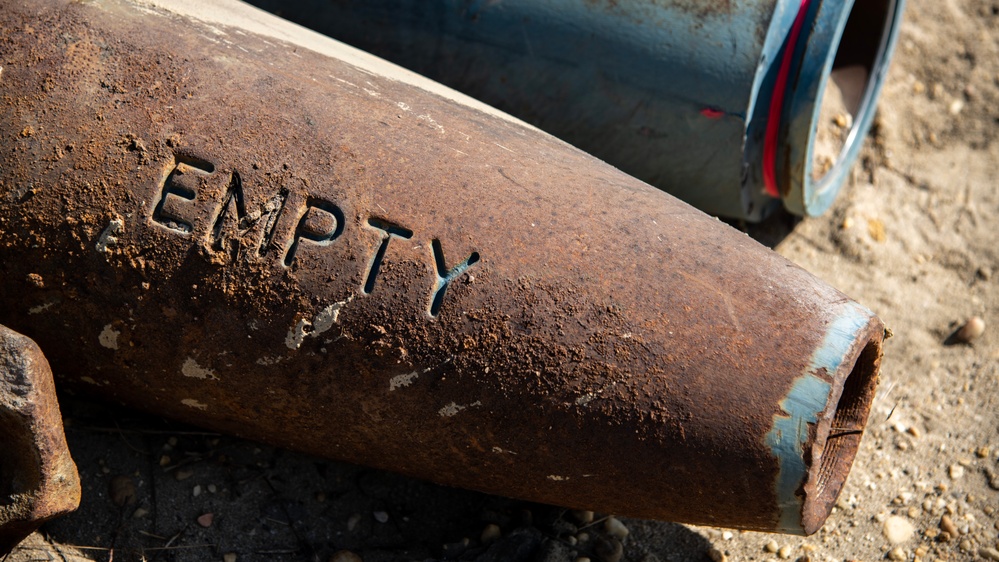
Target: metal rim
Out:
[830,36]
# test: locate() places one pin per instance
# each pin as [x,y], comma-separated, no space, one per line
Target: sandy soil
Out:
[914,237]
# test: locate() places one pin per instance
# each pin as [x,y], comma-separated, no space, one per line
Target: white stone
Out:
[898,529]
[956,471]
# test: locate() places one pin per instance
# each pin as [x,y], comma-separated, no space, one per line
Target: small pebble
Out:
[490,533]
[583,559]
[183,474]
[727,535]
[982,452]
[970,331]
[197,490]
[583,517]
[212,488]
[140,513]
[966,545]
[206,520]
[784,552]
[352,521]
[956,106]
[876,230]
[616,528]
[609,549]
[771,546]
[229,557]
[717,555]
[913,512]
[122,491]
[381,516]
[345,556]
[896,554]
[898,529]
[955,471]
[989,554]
[948,526]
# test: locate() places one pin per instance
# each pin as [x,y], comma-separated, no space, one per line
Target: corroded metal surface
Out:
[38,480]
[229,228]
[714,101]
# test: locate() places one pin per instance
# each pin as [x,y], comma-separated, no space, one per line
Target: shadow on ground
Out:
[157,490]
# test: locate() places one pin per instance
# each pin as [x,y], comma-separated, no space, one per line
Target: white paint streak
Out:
[89,380]
[501,451]
[109,337]
[191,402]
[328,316]
[557,478]
[453,408]
[190,368]
[323,321]
[296,335]
[42,307]
[400,381]
[110,235]
[434,124]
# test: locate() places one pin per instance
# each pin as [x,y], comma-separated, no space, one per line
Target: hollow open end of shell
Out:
[839,433]
[842,106]
[847,92]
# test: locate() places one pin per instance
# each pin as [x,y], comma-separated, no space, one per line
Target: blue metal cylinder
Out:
[679,93]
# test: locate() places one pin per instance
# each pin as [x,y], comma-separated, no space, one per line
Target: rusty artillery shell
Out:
[38,480]
[215,215]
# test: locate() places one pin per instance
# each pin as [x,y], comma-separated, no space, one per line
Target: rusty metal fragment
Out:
[212,214]
[38,480]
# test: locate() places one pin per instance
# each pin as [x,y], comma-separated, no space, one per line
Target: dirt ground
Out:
[914,237]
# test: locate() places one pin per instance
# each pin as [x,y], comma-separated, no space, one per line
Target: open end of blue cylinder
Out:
[846,98]
[839,432]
